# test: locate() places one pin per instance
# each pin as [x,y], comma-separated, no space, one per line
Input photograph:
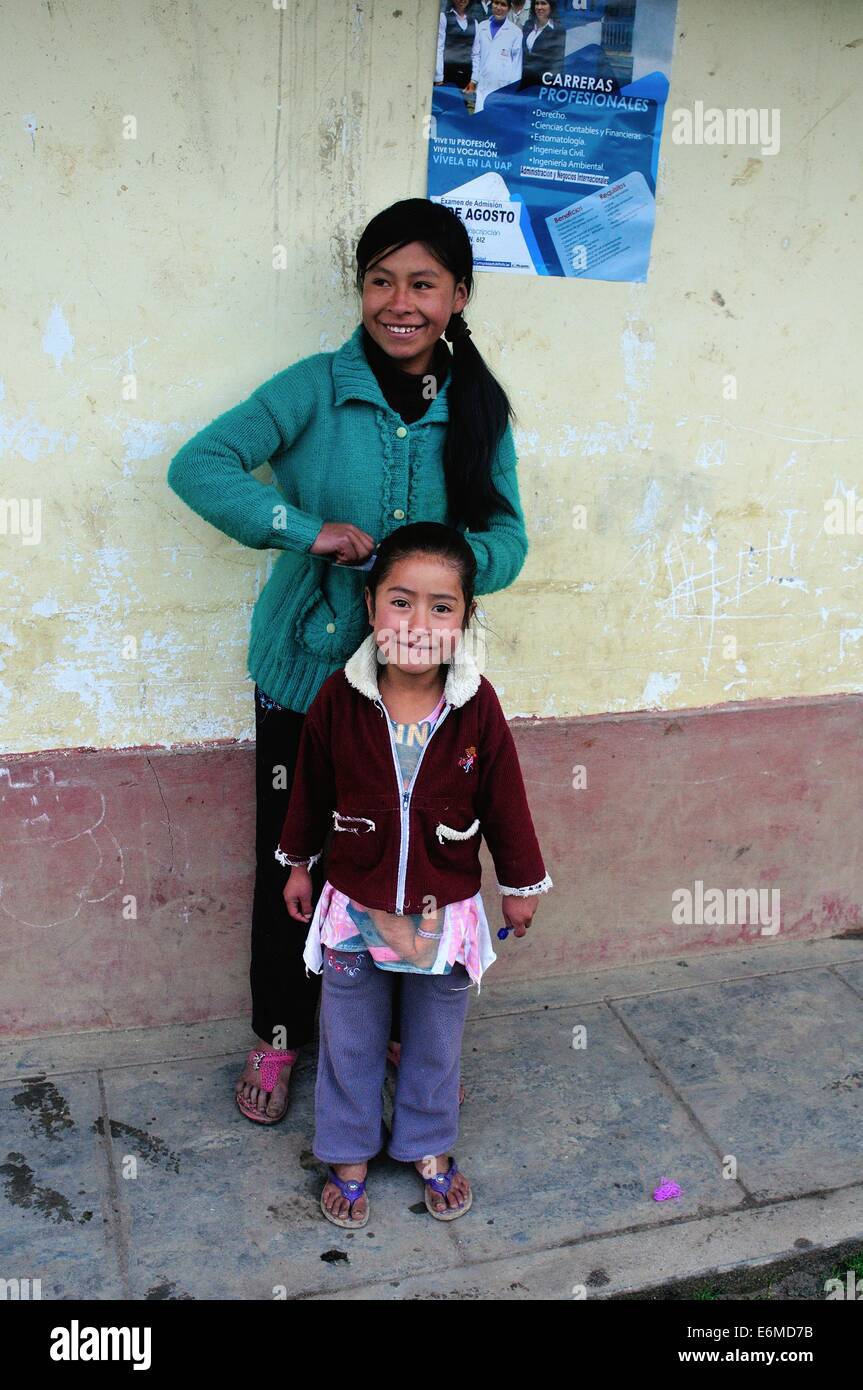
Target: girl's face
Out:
[542,10]
[409,290]
[500,8]
[418,613]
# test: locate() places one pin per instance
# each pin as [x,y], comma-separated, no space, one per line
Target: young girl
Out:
[407,755]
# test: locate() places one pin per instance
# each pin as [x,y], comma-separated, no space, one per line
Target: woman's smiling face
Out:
[408,299]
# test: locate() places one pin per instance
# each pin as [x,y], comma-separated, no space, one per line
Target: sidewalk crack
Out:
[117,1224]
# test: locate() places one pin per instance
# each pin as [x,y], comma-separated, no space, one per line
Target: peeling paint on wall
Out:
[57,340]
[25,438]
[142,302]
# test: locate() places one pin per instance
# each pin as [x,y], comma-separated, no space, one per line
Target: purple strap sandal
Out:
[352,1189]
[442,1182]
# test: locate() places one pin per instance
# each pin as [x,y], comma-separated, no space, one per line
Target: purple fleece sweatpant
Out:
[354,1030]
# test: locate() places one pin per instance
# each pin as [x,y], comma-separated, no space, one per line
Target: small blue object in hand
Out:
[503,933]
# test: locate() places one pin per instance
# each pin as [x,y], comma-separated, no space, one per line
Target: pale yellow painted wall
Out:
[153,255]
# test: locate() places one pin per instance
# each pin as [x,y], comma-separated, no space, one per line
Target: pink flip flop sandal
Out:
[268,1065]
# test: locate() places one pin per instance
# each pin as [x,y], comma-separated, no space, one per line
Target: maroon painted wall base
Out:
[126,877]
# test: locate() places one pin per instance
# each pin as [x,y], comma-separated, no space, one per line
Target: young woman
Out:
[497,54]
[456,33]
[544,44]
[388,429]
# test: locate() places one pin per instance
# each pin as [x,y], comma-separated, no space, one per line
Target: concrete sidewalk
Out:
[755,1054]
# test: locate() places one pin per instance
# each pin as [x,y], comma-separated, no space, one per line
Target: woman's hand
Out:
[471,87]
[342,542]
[298,893]
[518,912]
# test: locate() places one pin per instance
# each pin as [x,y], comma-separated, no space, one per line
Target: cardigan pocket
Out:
[356,825]
[359,841]
[317,628]
[452,837]
[448,832]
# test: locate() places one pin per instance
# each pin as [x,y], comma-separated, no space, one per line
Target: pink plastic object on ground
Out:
[665,1190]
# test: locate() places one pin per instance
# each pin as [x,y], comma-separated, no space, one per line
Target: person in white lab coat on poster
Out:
[497,54]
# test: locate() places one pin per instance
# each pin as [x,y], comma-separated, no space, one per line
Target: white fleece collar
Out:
[462,679]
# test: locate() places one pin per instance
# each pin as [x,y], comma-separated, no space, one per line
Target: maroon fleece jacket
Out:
[346,780]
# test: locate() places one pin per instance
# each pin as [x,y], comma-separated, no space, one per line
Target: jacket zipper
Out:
[404,808]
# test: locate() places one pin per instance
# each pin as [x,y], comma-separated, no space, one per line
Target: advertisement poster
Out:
[545,131]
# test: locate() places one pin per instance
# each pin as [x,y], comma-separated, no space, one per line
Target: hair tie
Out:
[456,328]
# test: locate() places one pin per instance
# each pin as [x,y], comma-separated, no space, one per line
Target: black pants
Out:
[283,996]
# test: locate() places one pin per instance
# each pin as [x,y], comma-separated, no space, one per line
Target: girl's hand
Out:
[518,912]
[342,542]
[298,894]
[471,87]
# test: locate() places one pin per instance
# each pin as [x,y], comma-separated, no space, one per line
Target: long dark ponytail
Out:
[479,408]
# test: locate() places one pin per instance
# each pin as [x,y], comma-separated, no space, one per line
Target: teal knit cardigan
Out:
[338,452]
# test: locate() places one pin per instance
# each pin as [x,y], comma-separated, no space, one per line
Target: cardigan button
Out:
[398,514]
[331,627]
[401,432]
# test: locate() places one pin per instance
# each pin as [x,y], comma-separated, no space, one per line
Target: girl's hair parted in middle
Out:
[432,538]
[479,408]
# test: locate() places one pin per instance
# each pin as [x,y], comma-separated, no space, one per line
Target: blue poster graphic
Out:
[545,129]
